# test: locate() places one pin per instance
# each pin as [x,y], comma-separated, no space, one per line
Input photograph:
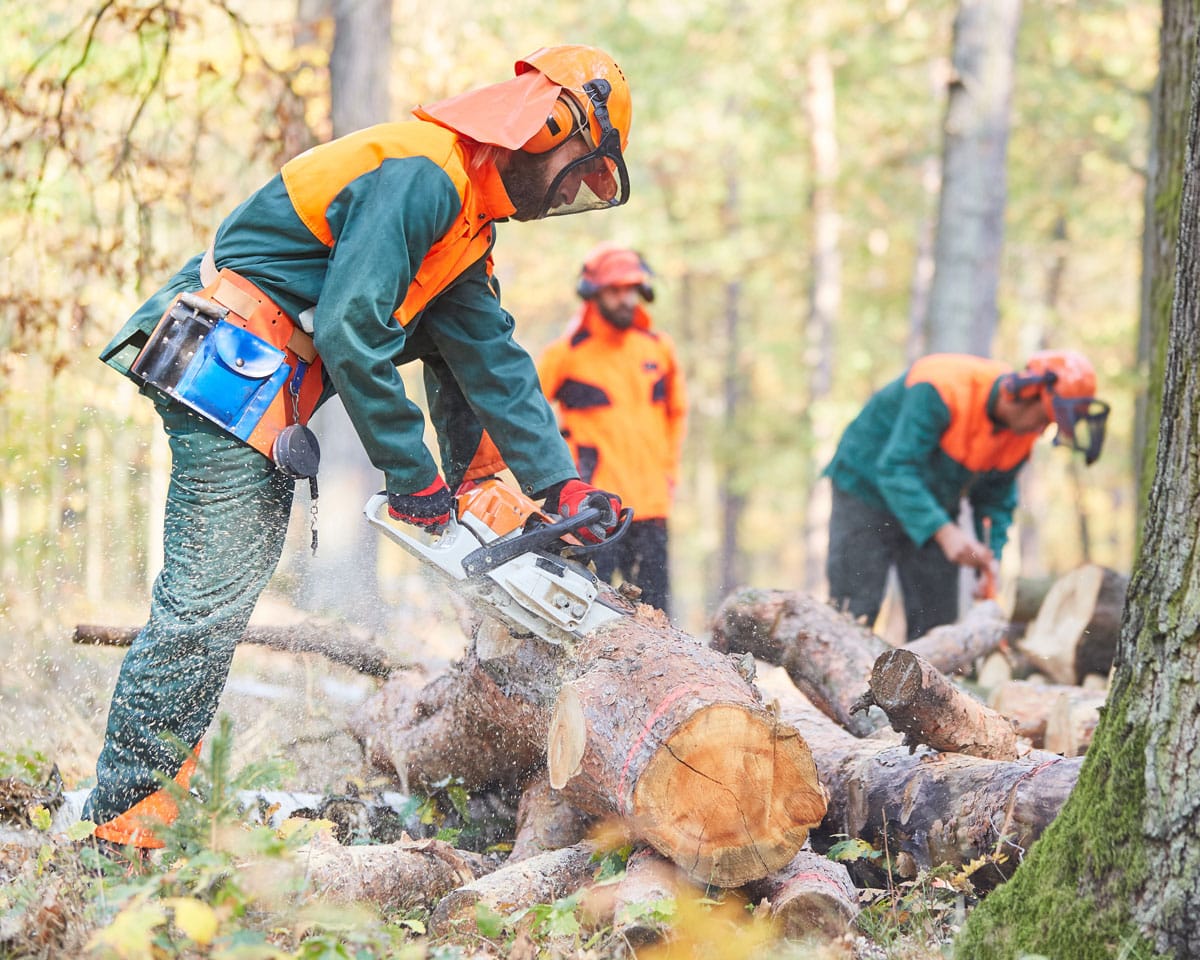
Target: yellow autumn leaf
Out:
[195,918]
[130,936]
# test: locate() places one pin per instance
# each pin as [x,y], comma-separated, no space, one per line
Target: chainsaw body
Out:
[503,555]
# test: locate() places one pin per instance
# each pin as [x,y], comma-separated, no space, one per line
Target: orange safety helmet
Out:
[558,92]
[1066,382]
[611,265]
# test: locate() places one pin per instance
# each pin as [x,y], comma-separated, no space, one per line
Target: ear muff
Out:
[1030,387]
[558,127]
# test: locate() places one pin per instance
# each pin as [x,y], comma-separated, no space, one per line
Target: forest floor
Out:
[54,699]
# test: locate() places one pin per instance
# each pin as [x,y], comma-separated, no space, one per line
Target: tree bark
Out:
[927,708]
[334,643]
[545,821]
[970,234]
[468,724]
[1076,629]
[541,879]
[954,647]
[1120,865]
[928,808]
[413,874]
[827,654]
[649,879]
[811,897]
[666,735]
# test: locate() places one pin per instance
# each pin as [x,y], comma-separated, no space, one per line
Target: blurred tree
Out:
[963,308]
[1115,874]
[342,576]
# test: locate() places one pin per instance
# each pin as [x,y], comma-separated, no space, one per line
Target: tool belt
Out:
[235,357]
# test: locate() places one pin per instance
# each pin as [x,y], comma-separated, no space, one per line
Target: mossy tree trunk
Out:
[1118,873]
[1164,178]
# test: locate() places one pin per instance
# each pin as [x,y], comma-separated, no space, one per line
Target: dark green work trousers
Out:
[864,543]
[226,519]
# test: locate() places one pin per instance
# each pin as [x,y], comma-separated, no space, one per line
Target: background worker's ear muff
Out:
[559,125]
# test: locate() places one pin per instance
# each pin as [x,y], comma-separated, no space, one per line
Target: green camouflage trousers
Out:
[226,519]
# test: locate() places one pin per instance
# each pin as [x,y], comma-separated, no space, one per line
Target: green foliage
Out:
[32,766]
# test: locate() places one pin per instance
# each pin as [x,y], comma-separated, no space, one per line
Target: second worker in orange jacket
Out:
[620,396]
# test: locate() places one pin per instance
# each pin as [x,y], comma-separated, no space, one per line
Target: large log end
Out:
[732,797]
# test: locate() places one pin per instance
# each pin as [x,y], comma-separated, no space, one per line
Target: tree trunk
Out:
[1076,629]
[666,735]
[828,656]
[970,234]
[1164,179]
[1119,866]
[825,296]
[927,708]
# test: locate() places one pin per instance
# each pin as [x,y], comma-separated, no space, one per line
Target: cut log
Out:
[827,654]
[1078,625]
[544,878]
[666,734]
[926,707]
[1029,705]
[1027,596]
[1072,721]
[334,643]
[643,897]
[462,726]
[413,874]
[954,647]
[929,808]
[811,898]
[546,821]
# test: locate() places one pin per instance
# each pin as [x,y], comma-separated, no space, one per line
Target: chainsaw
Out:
[511,560]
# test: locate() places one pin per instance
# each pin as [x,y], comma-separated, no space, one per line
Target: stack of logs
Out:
[735,764]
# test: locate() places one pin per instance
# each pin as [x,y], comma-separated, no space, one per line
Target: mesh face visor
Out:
[599,179]
[1081,425]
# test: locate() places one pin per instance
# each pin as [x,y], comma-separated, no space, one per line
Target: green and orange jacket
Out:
[622,407]
[930,438]
[388,233]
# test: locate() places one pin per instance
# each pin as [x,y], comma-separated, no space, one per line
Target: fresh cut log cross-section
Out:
[668,736]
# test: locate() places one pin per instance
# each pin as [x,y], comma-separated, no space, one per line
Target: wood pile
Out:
[734,764]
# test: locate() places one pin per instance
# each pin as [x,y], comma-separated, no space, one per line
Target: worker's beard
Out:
[620,317]
[526,180]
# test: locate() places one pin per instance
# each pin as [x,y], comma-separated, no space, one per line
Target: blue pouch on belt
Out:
[233,378]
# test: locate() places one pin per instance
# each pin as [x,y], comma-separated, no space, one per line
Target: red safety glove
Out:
[429,508]
[568,498]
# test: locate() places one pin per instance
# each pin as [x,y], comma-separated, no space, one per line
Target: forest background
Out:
[131,128]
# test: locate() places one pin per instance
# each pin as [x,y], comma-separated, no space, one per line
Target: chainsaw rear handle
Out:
[487,558]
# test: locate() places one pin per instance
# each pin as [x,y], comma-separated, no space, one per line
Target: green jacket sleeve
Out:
[908,456]
[995,495]
[383,224]
[473,335]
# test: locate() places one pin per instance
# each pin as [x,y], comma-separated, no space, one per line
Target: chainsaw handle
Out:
[486,558]
[624,519]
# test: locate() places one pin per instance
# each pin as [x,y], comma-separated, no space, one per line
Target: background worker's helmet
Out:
[1065,380]
[611,265]
[558,93]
